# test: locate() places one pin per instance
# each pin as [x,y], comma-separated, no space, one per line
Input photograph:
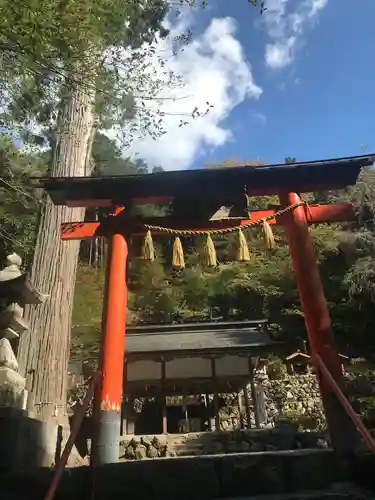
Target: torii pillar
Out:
[318,322]
[108,397]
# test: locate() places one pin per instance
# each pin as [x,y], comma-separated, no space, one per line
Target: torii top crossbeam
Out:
[194,197]
[223,183]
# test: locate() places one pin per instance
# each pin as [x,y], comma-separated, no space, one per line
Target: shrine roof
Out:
[217,183]
[198,337]
[306,357]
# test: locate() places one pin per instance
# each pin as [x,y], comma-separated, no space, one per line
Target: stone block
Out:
[140,452]
[9,334]
[25,443]
[12,317]
[311,469]
[251,474]
[7,357]
[152,452]
[160,441]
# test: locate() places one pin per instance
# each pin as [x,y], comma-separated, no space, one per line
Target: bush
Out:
[276,369]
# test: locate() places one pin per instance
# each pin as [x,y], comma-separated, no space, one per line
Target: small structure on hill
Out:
[300,362]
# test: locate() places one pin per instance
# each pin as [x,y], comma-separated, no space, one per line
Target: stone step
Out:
[257,476]
[190,446]
[339,491]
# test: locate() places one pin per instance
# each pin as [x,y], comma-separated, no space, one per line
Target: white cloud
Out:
[286,27]
[260,117]
[214,69]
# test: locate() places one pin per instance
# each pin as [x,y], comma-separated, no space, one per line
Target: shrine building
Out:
[176,364]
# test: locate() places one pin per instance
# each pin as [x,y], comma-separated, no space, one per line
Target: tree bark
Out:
[45,349]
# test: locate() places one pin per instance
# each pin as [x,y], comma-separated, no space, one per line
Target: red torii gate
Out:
[202,192]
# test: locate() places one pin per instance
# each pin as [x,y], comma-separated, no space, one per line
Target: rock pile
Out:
[300,400]
[141,447]
[298,396]
[283,436]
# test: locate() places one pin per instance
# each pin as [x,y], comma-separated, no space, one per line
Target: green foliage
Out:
[276,369]
[45,57]
[108,159]
[87,314]
[88,297]
[19,207]
[304,422]
[367,409]
[155,300]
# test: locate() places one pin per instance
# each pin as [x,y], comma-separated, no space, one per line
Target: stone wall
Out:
[284,436]
[299,396]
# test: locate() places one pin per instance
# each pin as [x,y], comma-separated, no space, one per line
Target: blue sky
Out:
[314,101]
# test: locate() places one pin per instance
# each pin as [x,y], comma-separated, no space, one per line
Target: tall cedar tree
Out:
[73,61]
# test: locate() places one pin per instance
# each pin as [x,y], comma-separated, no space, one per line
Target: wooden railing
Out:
[368,439]
[77,422]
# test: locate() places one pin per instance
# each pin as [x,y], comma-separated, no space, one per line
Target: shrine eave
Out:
[197,339]
[210,183]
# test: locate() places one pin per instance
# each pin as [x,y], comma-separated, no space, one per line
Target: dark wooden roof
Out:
[187,326]
[298,354]
[185,340]
[306,357]
[224,185]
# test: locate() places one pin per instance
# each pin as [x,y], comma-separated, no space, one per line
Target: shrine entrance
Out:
[182,369]
[206,203]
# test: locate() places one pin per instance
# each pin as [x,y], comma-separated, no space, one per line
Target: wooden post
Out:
[216,396]
[208,409]
[124,423]
[247,406]
[253,393]
[112,350]
[240,409]
[318,322]
[186,413]
[164,398]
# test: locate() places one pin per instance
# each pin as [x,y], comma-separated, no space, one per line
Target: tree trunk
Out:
[44,351]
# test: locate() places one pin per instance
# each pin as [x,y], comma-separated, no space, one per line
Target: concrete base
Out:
[106,447]
[26,442]
[195,478]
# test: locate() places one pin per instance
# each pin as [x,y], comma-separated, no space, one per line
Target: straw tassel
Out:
[243,249]
[209,256]
[178,260]
[268,236]
[148,249]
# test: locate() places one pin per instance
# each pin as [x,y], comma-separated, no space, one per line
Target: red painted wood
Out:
[317,318]
[112,348]
[77,422]
[339,212]
[313,300]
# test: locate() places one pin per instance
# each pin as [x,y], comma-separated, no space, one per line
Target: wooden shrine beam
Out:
[168,198]
[87,203]
[339,212]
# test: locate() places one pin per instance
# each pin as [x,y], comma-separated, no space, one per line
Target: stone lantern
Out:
[15,292]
